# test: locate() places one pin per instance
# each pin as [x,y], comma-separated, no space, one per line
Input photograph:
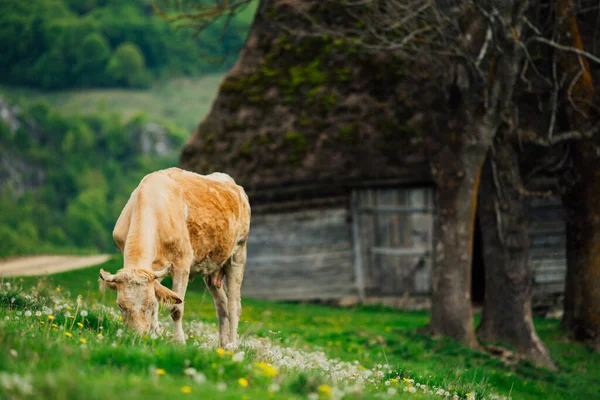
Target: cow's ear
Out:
[166,295]
[104,284]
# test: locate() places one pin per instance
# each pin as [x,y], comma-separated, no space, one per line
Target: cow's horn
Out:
[107,276]
[162,273]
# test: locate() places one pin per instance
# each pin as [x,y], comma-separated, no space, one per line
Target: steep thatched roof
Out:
[313,114]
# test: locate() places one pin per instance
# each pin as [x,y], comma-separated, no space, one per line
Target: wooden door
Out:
[395,228]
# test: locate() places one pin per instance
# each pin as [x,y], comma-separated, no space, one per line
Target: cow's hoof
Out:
[179,339]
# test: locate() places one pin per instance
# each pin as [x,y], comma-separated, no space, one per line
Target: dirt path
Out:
[47,264]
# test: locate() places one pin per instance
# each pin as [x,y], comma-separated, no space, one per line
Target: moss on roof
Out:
[313,111]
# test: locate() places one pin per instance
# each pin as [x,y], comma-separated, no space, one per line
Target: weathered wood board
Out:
[300,255]
[547,256]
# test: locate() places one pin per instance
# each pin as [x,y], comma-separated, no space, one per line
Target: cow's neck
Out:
[141,239]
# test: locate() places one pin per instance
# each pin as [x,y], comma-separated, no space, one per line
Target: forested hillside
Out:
[54,44]
[64,180]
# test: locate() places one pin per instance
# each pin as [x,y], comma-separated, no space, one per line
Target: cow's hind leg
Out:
[234,274]
[220,300]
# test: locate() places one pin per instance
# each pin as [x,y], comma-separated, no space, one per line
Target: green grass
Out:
[183,101]
[61,368]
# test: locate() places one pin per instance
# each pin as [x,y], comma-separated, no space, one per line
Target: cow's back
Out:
[218,213]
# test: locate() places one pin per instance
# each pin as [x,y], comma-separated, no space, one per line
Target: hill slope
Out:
[54,44]
[64,180]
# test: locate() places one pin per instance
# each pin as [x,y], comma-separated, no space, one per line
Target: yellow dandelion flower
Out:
[186,389]
[82,340]
[69,308]
[324,390]
[229,353]
[267,369]
[72,316]
[220,352]
[243,382]
[68,334]
[54,326]
[50,317]
[99,336]
[160,371]
[42,322]
[79,324]
[394,380]
[405,379]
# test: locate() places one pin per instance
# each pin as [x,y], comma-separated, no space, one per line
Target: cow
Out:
[181,224]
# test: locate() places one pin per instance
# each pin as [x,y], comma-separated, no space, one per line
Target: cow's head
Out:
[138,294]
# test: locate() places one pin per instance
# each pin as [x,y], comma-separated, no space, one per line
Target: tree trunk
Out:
[454,225]
[582,290]
[503,212]
[457,175]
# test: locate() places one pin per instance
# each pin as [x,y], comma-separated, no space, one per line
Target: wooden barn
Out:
[374,244]
[332,145]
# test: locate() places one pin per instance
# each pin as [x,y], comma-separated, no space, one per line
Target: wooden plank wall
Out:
[547,256]
[300,255]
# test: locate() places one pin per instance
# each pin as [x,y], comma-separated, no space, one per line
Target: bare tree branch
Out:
[531,137]
[571,49]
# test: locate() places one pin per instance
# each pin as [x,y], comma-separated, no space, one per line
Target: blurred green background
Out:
[94,94]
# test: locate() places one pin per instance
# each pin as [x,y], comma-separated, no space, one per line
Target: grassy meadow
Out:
[62,339]
[182,101]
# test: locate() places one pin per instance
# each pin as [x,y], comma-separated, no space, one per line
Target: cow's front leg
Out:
[180,282]
[220,300]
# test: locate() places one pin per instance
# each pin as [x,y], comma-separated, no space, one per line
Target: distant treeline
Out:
[54,44]
[64,181]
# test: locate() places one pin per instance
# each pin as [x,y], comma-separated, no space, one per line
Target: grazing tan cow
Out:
[181,224]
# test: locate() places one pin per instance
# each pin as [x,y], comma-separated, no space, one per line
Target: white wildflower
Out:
[200,378]
[391,391]
[412,389]
[274,387]
[28,313]
[221,386]
[38,313]
[238,357]
[83,313]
